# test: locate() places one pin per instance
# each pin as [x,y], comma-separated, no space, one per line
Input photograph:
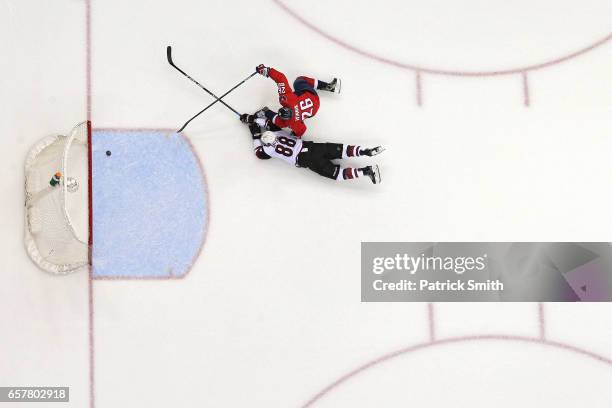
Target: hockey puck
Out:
[108,153]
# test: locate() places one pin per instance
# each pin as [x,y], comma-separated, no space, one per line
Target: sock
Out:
[351,151]
[347,173]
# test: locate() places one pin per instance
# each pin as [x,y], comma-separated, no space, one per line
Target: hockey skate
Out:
[372,151]
[372,172]
[334,86]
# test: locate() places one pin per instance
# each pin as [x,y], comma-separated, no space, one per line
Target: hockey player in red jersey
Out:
[299,103]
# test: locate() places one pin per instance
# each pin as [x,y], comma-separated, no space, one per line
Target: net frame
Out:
[81,246]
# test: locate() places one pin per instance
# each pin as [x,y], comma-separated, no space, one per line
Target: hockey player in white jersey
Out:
[270,141]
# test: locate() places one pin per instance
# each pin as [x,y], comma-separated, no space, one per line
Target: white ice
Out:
[271,312]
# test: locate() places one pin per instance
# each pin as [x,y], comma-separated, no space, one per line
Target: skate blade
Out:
[377,179]
[379,151]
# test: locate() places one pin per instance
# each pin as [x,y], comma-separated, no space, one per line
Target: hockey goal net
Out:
[57,201]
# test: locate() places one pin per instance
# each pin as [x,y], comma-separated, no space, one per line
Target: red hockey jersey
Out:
[302,106]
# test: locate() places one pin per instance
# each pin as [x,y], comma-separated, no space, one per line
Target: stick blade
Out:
[169,54]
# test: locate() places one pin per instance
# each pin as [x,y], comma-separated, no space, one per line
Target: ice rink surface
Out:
[496,117]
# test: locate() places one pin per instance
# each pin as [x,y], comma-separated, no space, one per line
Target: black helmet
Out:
[285,113]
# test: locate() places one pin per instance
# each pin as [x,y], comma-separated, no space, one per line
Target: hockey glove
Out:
[285,113]
[246,118]
[263,70]
[255,131]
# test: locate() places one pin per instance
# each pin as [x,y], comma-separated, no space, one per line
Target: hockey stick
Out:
[169,55]
[212,103]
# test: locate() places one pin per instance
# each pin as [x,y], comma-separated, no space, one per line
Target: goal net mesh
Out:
[57,217]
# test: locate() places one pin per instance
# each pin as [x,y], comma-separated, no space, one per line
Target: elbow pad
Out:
[259,152]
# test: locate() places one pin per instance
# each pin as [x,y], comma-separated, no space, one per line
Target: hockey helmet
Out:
[268,138]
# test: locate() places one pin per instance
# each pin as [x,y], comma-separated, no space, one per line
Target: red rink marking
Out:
[431,318]
[88,58]
[542,321]
[90,292]
[419,91]
[434,71]
[452,340]
[541,339]
[90,283]
[418,69]
[526,100]
[90,268]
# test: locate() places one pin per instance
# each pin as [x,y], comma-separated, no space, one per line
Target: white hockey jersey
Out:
[286,147]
